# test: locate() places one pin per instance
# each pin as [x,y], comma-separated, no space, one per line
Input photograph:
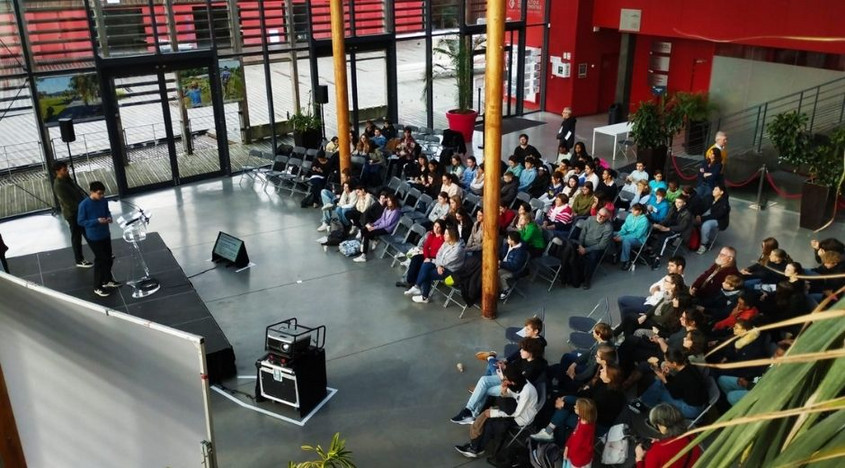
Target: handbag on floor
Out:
[350,248]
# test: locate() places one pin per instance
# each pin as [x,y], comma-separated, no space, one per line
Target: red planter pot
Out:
[463,122]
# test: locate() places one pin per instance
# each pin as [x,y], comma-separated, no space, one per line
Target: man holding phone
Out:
[95,217]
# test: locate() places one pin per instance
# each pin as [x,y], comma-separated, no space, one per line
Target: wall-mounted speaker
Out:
[66,126]
[322,96]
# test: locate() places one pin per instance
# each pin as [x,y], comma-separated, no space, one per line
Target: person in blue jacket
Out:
[658,206]
[526,178]
[469,172]
[94,216]
[513,261]
[632,234]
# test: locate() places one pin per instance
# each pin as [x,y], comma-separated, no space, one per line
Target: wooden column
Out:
[11,451]
[341,96]
[495,61]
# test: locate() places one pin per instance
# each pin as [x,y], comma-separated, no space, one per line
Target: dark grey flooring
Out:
[392,361]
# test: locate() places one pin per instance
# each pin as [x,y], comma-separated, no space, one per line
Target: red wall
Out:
[690,64]
[787,24]
[572,31]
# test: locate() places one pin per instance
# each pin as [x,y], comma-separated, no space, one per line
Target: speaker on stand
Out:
[68,136]
[322,97]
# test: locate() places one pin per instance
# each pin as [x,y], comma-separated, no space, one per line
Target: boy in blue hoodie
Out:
[94,216]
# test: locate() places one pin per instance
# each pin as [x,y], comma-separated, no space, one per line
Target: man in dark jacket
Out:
[566,133]
[524,150]
[509,189]
[716,217]
[512,262]
[677,223]
[95,217]
[69,195]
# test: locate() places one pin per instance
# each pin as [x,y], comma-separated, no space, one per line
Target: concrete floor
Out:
[392,361]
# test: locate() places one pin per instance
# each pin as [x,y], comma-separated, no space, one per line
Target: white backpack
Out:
[615,445]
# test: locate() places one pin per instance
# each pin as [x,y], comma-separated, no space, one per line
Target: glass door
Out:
[166,126]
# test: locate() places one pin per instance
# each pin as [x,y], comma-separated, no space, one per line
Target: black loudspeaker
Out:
[66,125]
[322,96]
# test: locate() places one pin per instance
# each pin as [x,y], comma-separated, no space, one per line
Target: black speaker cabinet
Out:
[322,96]
[66,126]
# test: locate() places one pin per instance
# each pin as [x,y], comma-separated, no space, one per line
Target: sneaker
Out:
[402,284]
[360,258]
[471,389]
[504,294]
[113,284]
[353,230]
[655,264]
[373,244]
[626,266]
[323,227]
[102,292]
[420,299]
[84,264]
[413,291]
[468,451]
[464,417]
[543,435]
[485,355]
[327,206]
[701,250]
[406,263]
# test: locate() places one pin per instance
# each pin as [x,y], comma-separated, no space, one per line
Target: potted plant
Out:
[695,109]
[654,123]
[307,129]
[459,53]
[818,156]
[336,457]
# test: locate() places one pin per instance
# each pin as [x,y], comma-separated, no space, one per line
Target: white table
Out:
[611,130]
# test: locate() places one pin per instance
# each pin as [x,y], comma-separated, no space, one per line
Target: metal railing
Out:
[824,105]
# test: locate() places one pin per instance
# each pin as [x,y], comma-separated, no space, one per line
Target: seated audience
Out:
[439,211]
[753,273]
[662,314]
[734,388]
[571,188]
[642,194]
[456,167]
[463,221]
[366,210]
[717,217]
[509,189]
[512,262]
[449,259]
[632,234]
[473,245]
[384,225]
[831,264]
[608,184]
[639,173]
[517,407]
[450,186]
[476,186]
[554,188]
[744,310]
[431,244]
[592,242]
[526,178]
[583,201]
[673,191]
[635,305]
[590,175]
[678,223]
[670,422]
[514,167]
[469,173]
[749,345]
[658,206]
[506,217]
[530,233]
[575,369]
[709,283]
[657,182]
[683,386]
[523,151]
[819,247]
[558,220]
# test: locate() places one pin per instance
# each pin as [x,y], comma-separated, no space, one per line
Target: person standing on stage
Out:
[95,217]
[70,195]
[566,133]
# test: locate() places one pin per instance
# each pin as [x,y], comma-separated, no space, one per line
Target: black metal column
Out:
[267,74]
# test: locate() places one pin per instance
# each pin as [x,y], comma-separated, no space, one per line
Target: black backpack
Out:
[337,233]
[544,454]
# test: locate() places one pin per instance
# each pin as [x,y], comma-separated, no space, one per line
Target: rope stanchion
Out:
[779,191]
[679,172]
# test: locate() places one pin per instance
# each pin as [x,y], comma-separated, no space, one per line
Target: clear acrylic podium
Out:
[134,227]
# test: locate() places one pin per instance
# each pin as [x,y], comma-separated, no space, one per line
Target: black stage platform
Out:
[176,304]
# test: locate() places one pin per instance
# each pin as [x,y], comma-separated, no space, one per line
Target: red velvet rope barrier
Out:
[779,191]
[679,172]
[753,177]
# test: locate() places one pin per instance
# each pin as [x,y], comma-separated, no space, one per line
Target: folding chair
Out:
[547,267]
[393,184]
[409,203]
[301,183]
[292,171]
[279,168]
[284,150]
[255,162]
[536,205]
[471,202]
[521,196]
[424,206]
[402,191]
[359,162]
[299,152]
[398,240]
[585,324]
[638,256]
[513,337]
[415,233]
[311,154]
[713,394]
[517,277]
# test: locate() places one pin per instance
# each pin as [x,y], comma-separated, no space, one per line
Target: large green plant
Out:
[820,155]
[459,52]
[654,123]
[795,415]
[336,457]
[303,121]
[693,107]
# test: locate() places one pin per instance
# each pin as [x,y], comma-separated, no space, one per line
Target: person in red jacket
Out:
[709,284]
[671,423]
[744,310]
[431,245]
[578,451]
